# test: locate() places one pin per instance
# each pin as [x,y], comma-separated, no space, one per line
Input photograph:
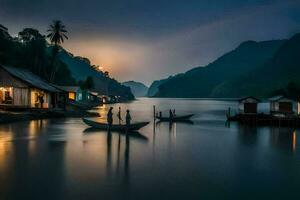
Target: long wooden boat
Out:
[176,118]
[115,127]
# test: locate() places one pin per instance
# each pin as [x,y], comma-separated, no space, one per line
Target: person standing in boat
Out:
[128,119]
[110,116]
[171,114]
[119,115]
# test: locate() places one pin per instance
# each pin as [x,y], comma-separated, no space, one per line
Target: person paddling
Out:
[110,117]
[128,119]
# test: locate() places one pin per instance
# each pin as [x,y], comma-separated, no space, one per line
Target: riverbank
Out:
[9,117]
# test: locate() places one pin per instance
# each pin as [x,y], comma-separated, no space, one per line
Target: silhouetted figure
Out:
[174,113]
[128,119]
[41,100]
[110,117]
[119,115]
[160,114]
[171,114]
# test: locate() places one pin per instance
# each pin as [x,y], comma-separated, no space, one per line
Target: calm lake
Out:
[62,159]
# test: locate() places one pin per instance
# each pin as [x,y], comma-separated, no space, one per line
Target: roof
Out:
[280,97]
[68,88]
[30,78]
[3,27]
[249,97]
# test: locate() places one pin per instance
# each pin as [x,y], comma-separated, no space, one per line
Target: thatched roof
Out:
[30,78]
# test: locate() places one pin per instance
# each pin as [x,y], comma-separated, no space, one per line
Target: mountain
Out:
[137,88]
[207,81]
[277,73]
[153,89]
[81,69]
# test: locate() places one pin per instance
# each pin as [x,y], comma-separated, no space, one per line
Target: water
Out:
[60,159]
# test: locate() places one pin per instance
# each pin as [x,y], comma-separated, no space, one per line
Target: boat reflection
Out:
[134,134]
[178,122]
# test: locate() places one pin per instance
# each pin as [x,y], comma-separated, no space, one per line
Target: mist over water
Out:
[63,159]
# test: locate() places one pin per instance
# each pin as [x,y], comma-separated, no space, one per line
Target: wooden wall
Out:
[21,97]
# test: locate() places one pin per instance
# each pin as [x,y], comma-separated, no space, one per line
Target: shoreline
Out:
[11,117]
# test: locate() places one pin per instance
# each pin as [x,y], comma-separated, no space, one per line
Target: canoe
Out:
[176,118]
[115,127]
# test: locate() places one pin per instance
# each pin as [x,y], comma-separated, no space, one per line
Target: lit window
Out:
[72,95]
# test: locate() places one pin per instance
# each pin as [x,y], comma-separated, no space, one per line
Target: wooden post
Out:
[228,114]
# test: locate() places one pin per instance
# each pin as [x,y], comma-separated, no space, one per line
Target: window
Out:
[6,95]
[72,95]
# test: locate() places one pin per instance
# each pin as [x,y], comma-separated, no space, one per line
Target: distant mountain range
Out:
[253,68]
[137,88]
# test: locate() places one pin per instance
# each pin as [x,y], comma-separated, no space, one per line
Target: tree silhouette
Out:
[33,45]
[57,33]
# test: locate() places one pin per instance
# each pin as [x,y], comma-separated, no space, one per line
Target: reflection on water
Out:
[64,159]
[284,138]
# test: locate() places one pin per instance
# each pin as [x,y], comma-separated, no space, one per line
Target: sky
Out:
[149,40]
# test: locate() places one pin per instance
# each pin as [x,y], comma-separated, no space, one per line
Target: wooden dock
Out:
[266,120]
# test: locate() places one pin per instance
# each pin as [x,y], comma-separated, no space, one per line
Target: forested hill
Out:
[211,80]
[81,68]
[153,89]
[277,73]
[30,50]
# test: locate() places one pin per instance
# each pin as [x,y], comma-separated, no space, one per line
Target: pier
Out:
[266,120]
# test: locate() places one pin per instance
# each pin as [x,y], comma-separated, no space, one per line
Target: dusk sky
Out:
[150,40]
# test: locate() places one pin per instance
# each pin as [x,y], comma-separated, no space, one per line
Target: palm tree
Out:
[57,33]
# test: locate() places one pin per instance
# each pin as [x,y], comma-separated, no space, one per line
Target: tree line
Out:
[39,53]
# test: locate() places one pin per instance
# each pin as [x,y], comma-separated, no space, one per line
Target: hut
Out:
[73,92]
[283,105]
[248,105]
[19,88]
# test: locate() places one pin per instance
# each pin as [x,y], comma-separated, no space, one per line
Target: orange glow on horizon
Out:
[110,56]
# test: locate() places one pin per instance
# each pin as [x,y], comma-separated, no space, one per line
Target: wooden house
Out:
[19,88]
[283,105]
[248,105]
[75,93]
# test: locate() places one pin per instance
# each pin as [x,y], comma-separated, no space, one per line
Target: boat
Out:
[115,127]
[177,118]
